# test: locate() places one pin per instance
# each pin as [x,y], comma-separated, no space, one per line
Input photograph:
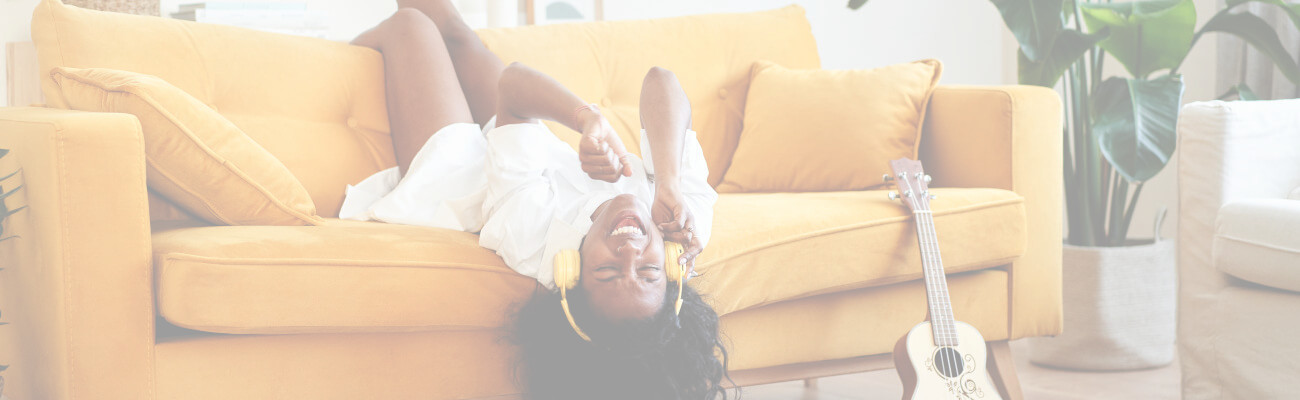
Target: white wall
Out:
[347,18]
[967,35]
[15,26]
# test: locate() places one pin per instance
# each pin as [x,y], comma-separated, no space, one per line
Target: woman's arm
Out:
[527,95]
[666,116]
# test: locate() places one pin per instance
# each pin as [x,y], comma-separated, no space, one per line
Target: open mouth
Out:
[629,225]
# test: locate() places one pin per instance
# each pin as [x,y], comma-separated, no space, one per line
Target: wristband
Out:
[588,106]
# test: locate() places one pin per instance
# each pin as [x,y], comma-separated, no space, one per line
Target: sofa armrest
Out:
[1226,151]
[1229,151]
[77,282]
[1008,137]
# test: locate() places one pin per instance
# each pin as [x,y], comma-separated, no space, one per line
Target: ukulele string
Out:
[947,326]
[946,361]
[952,357]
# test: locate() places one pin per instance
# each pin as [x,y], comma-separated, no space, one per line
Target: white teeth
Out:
[626,230]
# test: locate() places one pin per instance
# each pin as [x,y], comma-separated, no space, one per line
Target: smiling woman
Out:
[623,262]
[591,224]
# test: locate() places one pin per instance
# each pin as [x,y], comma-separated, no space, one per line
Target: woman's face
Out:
[623,261]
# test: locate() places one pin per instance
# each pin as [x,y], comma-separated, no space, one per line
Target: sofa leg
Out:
[810,383]
[1002,369]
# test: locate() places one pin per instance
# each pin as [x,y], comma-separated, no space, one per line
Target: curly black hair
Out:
[664,358]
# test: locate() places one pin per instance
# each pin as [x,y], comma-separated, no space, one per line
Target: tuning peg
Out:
[927,179]
[887,178]
[893,195]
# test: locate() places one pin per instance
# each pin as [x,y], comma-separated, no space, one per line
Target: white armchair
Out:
[1239,249]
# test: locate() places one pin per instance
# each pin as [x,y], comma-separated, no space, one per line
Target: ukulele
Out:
[941,358]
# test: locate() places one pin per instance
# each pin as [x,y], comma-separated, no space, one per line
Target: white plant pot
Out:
[1120,309]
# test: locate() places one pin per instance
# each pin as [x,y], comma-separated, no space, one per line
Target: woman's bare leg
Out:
[477,68]
[419,80]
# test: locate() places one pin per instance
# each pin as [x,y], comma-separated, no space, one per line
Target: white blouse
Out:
[520,187]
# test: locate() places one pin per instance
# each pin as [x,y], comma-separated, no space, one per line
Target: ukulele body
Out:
[933,372]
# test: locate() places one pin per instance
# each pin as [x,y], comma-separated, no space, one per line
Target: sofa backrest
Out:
[317,105]
[605,62]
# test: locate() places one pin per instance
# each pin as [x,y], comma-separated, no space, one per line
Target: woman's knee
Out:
[405,25]
[410,22]
[659,74]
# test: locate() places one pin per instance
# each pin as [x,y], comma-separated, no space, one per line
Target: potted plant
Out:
[5,212]
[1119,292]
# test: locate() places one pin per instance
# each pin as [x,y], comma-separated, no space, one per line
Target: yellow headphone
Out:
[568,269]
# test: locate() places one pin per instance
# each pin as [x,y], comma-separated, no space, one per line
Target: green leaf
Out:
[1034,23]
[856,4]
[1240,91]
[1145,36]
[1110,97]
[1135,123]
[1292,10]
[1070,46]
[6,214]
[1245,94]
[6,195]
[1259,34]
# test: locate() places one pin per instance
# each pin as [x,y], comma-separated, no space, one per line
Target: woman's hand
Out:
[670,214]
[601,151]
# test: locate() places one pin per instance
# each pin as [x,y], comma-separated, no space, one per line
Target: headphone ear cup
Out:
[568,268]
[672,252]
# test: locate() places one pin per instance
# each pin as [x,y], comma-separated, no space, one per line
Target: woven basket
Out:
[138,7]
[1120,309]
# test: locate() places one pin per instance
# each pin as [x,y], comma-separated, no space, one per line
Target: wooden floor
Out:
[1037,382]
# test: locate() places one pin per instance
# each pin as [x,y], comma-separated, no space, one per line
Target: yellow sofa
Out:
[113,293]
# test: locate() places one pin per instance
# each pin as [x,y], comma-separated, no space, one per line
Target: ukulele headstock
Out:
[911,183]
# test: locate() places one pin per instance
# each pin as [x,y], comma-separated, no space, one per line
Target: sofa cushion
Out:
[1255,240]
[349,276]
[878,317]
[195,157]
[317,105]
[345,276]
[772,247]
[821,130]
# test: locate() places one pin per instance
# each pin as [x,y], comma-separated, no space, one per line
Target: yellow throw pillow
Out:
[819,130]
[194,156]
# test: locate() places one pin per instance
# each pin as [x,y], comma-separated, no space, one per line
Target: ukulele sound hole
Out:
[948,362]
